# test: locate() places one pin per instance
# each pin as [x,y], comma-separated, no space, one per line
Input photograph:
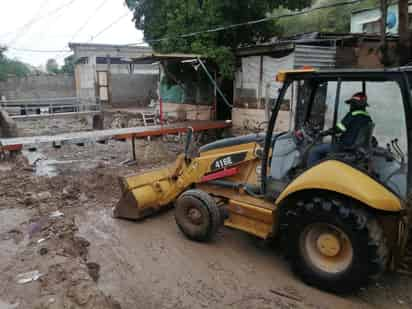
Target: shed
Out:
[257,66]
[108,73]
[185,93]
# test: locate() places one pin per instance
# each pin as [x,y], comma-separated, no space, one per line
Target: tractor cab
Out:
[316,103]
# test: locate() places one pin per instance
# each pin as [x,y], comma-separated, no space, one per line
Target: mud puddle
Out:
[151,263]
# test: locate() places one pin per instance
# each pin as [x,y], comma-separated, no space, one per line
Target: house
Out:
[108,73]
[255,87]
[368,20]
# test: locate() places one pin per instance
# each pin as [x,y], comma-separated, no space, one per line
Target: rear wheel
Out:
[334,245]
[197,215]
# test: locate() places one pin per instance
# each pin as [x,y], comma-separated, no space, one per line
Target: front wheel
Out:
[333,245]
[197,215]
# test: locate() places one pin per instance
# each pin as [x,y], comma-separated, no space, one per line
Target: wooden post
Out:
[134,148]
[403,29]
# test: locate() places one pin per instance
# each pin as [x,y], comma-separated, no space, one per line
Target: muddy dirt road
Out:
[86,259]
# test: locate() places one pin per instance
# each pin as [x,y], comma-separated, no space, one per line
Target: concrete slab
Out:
[16,144]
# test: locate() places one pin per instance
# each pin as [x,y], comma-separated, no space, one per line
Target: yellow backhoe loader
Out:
[343,220]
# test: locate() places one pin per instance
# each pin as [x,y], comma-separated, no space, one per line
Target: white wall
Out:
[247,78]
[85,82]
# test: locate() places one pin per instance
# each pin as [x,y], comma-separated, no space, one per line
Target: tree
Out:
[326,20]
[68,66]
[171,19]
[52,66]
[9,67]
[2,50]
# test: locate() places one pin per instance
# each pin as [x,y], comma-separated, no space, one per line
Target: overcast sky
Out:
[51,24]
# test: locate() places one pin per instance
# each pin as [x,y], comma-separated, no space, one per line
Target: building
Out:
[368,20]
[109,73]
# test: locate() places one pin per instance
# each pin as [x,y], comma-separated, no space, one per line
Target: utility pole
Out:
[404,36]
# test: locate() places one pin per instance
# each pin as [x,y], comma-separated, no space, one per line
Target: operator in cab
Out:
[347,130]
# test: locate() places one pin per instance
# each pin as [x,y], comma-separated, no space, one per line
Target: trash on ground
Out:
[28,277]
[56,214]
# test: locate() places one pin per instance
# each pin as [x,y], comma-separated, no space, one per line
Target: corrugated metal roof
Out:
[73,45]
[318,57]
[176,56]
[154,57]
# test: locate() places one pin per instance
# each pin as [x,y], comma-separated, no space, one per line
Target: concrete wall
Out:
[187,111]
[366,56]
[252,119]
[53,126]
[43,86]
[8,127]
[132,90]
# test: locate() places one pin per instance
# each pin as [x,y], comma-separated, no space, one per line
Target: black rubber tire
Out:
[210,214]
[370,252]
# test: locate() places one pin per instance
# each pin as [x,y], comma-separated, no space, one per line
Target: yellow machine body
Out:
[146,193]
[150,192]
[339,177]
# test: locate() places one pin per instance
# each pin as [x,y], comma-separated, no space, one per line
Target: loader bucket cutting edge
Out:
[127,207]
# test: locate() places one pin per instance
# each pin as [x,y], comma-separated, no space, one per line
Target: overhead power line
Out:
[23,31]
[109,26]
[30,23]
[82,27]
[38,50]
[89,19]
[252,22]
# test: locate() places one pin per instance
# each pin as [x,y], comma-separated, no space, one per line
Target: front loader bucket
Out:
[146,193]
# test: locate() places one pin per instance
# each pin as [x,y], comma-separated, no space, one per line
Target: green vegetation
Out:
[53,67]
[166,18]
[68,66]
[325,20]
[9,67]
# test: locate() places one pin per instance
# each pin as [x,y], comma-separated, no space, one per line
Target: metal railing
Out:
[49,106]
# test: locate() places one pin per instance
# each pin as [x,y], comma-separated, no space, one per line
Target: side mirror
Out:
[188,142]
